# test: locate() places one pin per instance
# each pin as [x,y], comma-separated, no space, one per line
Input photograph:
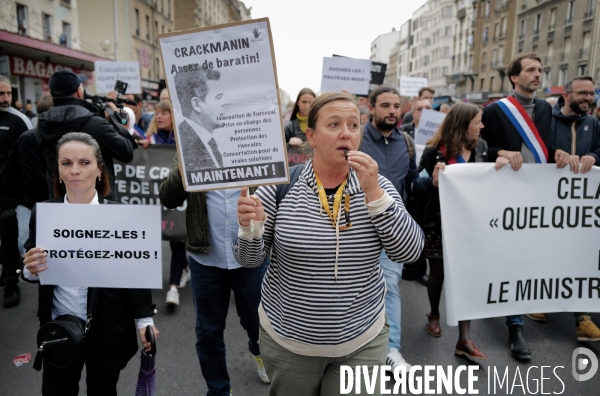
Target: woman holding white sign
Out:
[81,178]
[457,141]
[322,303]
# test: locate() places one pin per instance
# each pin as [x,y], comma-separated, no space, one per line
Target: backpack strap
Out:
[282,189]
[410,143]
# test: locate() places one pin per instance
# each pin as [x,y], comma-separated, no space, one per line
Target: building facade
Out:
[563,33]
[39,37]
[382,46]
[191,14]
[129,32]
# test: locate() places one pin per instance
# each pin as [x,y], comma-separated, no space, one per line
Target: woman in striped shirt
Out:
[323,295]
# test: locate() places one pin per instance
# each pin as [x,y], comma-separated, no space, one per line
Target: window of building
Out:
[582,70]
[137,22]
[47,26]
[496,31]
[169,8]
[522,29]
[550,50]
[22,19]
[562,77]
[547,79]
[567,48]
[448,31]
[65,37]
[445,70]
[587,40]
[156,30]
[570,9]
[503,27]
[448,11]
[446,52]
[485,36]
[487,10]
[501,55]
[492,84]
[589,9]
[147,28]
[494,57]
[538,24]
[483,60]
[482,84]
[552,19]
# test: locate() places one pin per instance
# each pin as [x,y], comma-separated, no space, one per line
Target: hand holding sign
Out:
[35,260]
[249,208]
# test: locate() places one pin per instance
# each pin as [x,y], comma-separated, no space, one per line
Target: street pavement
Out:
[178,371]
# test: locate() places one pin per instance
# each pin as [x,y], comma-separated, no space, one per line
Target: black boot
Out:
[518,346]
[12,296]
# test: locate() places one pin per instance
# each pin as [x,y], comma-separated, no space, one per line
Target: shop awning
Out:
[15,44]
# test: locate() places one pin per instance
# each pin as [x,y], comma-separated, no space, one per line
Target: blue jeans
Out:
[23,216]
[514,320]
[211,289]
[392,272]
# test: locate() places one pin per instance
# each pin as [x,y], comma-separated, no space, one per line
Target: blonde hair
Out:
[163,105]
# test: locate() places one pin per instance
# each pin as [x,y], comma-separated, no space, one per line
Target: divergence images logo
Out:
[580,363]
[255,32]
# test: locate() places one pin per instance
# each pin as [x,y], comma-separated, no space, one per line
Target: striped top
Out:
[302,303]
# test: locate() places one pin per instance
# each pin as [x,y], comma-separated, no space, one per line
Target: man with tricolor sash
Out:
[517,128]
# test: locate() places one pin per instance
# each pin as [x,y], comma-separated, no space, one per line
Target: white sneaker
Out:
[262,372]
[186,276]
[173,296]
[395,359]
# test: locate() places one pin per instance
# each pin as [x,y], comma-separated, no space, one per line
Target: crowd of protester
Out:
[281,257]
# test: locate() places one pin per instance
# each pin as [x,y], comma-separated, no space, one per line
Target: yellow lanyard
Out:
[337,202]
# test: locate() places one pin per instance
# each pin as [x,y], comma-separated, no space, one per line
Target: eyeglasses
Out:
[583,93]
[421,108]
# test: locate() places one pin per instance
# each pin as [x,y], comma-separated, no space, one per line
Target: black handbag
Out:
[61,342]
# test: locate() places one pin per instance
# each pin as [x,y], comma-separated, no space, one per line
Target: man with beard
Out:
[517,128]
[577,134]
[417,110]
[12,124]
[391,149]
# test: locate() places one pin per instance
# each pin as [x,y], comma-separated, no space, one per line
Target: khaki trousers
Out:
[297,375]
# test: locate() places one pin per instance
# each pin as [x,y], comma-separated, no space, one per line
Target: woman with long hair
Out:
[457,141]
[81,178]
[161,131]
[295,130]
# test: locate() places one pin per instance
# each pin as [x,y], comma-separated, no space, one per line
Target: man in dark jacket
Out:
[577,134]
[506,141]
[12,125]
[73,114]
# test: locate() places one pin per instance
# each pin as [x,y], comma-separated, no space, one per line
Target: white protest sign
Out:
[429,122]
[100,245]
[340,73]
[410,86]
[107,73]
[519,242]
[223,86]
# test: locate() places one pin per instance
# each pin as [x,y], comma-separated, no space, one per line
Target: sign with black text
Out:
[223,85]
[429,123]
[519,242]
[100,245]
[138,183]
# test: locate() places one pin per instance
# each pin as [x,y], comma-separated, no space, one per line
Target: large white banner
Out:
[100,245]
[519,242]
[107,74]
[341,73]
[429,122]
[223,86]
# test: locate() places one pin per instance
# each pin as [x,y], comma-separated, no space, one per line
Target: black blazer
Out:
[501,134]
[113,310]
[195,153]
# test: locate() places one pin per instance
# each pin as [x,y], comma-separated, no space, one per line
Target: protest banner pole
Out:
[208,171]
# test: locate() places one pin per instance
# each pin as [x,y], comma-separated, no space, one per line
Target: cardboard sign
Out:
[223,86]
[107,73]
[410,86]
[529,238]
[100,245]
[340,73]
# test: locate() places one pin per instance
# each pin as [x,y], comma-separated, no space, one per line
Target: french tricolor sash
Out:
[526,128]
[451,161]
